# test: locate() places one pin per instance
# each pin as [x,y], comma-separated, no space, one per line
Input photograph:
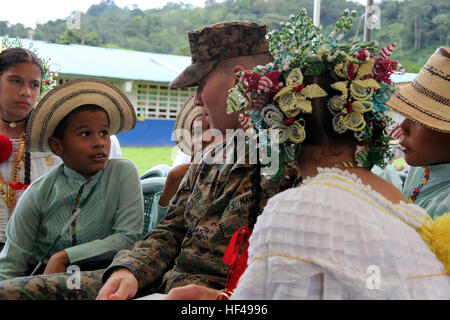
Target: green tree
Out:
[418,27]
[76,36]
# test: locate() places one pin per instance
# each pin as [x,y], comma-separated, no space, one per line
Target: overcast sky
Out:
[30,12]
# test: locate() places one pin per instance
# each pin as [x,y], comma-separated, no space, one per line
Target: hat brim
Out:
[61,100]
[193,74]
[182,130]
[426,99]
[408,102]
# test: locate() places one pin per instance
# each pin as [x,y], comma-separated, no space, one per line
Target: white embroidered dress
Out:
[335,238]
[40,163]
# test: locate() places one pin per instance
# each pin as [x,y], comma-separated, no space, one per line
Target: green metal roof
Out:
[81,60]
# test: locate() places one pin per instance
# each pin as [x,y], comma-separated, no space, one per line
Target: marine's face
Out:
[212,94]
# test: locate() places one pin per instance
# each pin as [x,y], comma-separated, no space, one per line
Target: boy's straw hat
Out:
[183,125]
[220,41]
[61,100]
[426,99]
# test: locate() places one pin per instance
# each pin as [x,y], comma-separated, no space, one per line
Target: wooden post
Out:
[316,19]
[368,21]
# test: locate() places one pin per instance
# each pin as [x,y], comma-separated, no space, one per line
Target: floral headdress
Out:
[49,76]
[275,96]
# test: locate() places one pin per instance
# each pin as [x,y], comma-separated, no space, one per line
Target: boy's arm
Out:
[128,223]
[150,258]
[21,235]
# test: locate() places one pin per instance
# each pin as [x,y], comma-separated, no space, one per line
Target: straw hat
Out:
[183,125]
[426,99]
[61,100]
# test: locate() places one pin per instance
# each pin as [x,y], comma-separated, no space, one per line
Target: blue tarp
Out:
[149,133]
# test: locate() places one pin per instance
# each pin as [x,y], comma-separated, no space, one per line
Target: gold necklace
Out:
[343,165]
[7,192]
[338,164]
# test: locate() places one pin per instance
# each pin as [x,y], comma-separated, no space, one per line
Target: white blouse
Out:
[40,163]
[335,238]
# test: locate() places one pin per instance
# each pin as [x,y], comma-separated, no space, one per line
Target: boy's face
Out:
[212,94]
[86,143]
[424,146]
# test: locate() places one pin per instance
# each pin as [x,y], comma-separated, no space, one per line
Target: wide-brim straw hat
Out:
[61,100]
[182,131]
[426,99]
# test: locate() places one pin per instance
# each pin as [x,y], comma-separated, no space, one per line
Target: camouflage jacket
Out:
[212,202]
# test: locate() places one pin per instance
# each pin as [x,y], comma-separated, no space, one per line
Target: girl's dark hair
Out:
[62,125]
[13,56]
[255,178]
[319,131]
[319,124]
[27,165]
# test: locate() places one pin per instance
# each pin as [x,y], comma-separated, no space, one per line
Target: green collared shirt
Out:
[434,196]
[111,217]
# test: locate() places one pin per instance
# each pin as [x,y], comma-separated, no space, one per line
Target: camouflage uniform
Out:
[213,201]
[52,287]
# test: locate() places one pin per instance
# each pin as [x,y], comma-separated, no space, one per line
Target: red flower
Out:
[289,121]
[274,78]
[257,84]
[299,87]
[383,69]
[349,107]
[351,71]
[5,148]
[250,79]
[18,185]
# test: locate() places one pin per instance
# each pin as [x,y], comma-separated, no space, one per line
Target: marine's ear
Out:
[236,69]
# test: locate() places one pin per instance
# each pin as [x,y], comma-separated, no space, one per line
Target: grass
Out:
[399,164]
[146,157]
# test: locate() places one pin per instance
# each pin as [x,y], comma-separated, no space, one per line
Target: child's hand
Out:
[57,263]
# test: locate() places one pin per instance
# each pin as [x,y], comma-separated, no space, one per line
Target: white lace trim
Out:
[411,214]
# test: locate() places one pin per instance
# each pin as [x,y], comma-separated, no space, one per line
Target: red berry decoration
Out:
[5,148]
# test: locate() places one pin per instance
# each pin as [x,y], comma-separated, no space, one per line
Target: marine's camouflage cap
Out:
[220,41]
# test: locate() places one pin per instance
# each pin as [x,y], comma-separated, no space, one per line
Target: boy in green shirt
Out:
[87,209]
